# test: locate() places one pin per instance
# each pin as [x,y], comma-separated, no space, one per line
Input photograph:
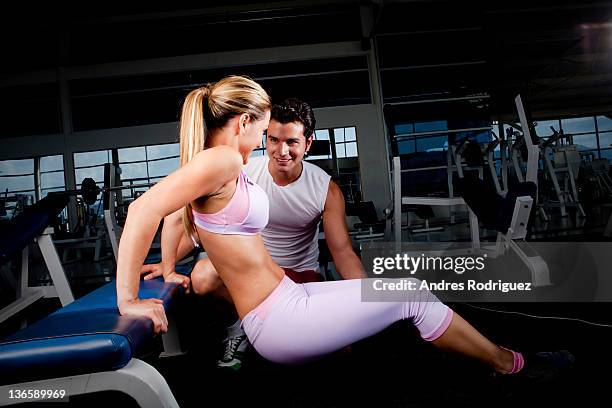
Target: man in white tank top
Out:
[301,195]
[298,202]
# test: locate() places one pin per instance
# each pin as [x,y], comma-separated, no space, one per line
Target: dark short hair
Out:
[295,110]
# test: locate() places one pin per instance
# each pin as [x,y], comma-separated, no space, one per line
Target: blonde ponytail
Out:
[193,134]
[193,130]
[210,107]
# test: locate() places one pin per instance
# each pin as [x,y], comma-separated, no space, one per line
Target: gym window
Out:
[589,133]
[52,174]
[322,134]
[415,137]
[146,165]
[18,181]
[343,141]
[162,160]
[91,164]
[341,160]
[16,185]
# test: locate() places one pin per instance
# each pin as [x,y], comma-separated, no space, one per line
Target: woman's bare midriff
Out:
[244,266]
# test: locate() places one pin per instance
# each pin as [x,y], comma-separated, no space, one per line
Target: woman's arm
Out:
[204,175]
[175,245]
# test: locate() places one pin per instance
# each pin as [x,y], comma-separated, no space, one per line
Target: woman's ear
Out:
[243,121]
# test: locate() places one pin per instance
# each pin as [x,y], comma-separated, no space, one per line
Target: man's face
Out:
[286,145]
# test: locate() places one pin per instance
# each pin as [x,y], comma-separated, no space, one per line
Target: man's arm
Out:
[347,262]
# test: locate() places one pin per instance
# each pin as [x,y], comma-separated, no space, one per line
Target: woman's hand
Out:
[151,271]
[151,308]
[182,280]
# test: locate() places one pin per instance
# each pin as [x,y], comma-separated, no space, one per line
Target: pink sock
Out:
[519,362]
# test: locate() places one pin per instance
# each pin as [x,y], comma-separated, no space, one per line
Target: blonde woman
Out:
[286,322]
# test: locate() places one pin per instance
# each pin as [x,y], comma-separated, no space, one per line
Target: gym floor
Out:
[397,369]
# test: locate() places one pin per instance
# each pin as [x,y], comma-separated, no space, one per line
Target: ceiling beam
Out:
[191,62]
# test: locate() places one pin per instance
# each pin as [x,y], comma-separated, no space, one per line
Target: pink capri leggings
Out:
[297,323]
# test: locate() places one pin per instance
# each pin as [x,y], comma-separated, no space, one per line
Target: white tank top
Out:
[291,235]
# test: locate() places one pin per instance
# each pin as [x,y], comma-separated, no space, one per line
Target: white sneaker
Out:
[235,348]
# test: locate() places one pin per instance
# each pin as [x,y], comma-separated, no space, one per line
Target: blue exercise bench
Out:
[87,347]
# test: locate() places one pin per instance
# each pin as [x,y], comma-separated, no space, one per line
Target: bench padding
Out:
[86,336]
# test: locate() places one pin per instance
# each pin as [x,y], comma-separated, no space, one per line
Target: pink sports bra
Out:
[245,214]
